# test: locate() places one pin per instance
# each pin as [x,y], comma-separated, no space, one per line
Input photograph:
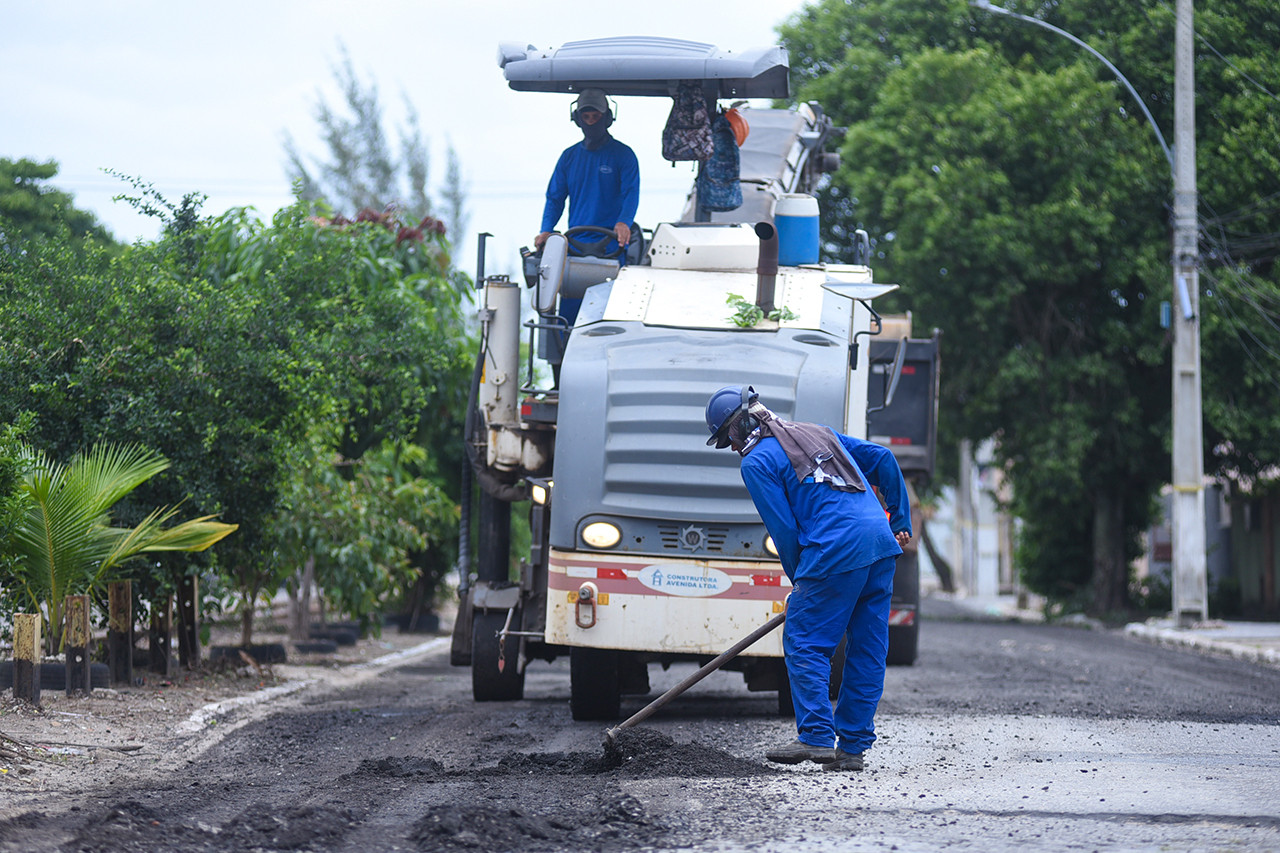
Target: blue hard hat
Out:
[723,409]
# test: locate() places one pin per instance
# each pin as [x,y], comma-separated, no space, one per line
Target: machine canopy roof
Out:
[642,65]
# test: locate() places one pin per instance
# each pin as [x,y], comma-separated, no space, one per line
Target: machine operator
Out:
[599,177]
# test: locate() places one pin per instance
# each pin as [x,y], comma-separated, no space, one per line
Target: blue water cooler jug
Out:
[795,216]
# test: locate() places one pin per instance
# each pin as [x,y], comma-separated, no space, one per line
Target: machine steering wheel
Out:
[597,249]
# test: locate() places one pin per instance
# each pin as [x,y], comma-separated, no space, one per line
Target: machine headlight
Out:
[601,534]
[770,546]
[540,491]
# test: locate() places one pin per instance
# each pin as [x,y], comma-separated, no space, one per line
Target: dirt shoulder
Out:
[74,743]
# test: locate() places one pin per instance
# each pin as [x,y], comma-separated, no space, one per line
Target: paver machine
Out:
[645,545]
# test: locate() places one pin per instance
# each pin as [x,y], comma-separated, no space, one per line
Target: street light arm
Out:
[1000,10]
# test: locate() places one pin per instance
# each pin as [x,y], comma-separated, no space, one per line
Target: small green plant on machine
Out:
[748,314]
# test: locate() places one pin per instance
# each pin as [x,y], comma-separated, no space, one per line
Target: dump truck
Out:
[645,547]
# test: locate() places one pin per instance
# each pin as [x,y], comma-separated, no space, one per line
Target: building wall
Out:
[1255,530]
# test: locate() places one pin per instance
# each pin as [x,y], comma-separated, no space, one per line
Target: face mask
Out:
[596,133]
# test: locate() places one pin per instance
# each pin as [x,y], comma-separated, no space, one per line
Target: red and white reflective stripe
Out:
[902,617]
[598,573]
[605,573]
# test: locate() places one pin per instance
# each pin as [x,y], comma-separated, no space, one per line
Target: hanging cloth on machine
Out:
[718,186]
[687,134]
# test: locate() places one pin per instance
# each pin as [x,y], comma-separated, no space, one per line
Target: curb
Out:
[390,661]
[1200,643]
[200,719]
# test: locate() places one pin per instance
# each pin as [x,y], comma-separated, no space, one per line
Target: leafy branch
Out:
[747,315]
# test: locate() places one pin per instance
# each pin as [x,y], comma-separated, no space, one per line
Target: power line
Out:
[1200,38]
[1236,68]
[1233,246]
[1225,293]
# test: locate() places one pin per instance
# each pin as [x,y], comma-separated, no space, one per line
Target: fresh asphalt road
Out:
[1003,736]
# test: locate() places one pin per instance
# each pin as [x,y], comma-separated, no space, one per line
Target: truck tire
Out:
[488,683]
[904,640]
[786,705]
[263,653]
[903,644]
[53,675]
[595,690]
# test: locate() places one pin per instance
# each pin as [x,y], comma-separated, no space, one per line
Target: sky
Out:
[200,97]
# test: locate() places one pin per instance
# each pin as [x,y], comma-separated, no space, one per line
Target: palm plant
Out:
[64,542]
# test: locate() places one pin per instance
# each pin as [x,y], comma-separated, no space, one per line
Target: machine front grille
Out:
[692,538]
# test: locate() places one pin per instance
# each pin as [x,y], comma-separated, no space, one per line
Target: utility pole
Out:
[1190,583]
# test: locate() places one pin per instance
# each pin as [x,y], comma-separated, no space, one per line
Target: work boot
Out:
[844,761]
[795,752]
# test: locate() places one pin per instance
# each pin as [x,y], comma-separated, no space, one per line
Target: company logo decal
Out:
[685,580]
[691,538]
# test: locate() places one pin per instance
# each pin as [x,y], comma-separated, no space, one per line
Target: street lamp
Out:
[1190,584]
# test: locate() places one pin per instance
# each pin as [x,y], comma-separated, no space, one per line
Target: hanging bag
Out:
[687,135]
[718,186]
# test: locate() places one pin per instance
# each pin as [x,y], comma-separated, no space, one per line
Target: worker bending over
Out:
[812,488]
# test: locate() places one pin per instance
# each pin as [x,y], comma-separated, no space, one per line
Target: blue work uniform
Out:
[601,186]
[839,551]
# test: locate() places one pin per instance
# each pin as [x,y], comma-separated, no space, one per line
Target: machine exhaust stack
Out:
[766,266]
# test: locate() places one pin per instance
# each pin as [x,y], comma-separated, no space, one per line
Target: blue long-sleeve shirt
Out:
[601,186]
[820,531]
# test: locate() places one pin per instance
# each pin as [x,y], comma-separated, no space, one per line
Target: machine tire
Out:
[595,689]
[488,684]
[786,705]
[904,640]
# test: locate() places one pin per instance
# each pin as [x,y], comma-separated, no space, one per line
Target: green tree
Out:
[364,322]
[363,173]
[363,170]
[363,530]
[454,194]
[221,344]
[1008,182]
[138,348]
[1241,359]
[31,209]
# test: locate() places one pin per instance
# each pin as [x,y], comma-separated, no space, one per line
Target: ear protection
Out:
[726,414]
[609,114]
[744,423]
